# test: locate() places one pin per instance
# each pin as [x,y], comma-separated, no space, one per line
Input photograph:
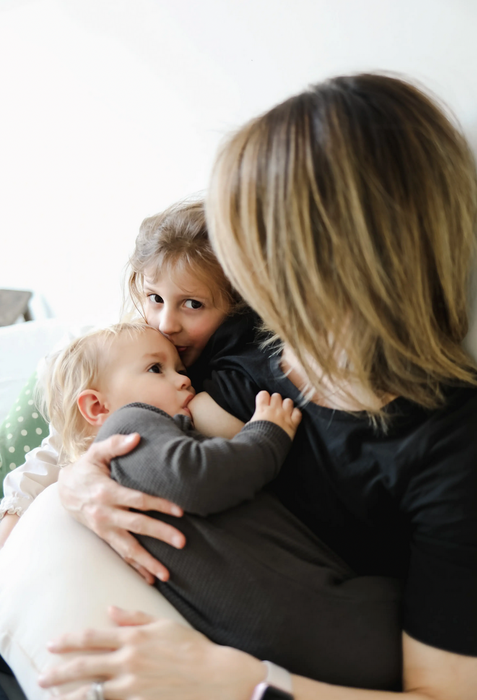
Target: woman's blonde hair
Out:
[66,374]
[177,240]
[346,217]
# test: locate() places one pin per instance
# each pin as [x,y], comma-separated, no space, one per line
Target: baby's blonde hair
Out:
[70,371]
[177,240]
[346,217]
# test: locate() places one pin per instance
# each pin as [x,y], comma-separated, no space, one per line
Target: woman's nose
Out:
[169,322]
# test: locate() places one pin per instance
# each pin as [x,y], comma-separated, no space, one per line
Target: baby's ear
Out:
[92,407]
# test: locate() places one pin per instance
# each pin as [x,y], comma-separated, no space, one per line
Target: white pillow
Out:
[57,576]
[21,347]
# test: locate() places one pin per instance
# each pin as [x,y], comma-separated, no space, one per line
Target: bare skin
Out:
[7,524]
[145,658]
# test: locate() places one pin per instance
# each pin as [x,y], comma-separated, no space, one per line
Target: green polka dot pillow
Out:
[22,430]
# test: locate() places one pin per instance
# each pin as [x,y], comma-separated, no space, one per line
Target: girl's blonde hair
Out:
[346,217]
[177,240]
[66,374]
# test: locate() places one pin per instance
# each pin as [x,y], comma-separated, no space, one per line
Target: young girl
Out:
[178,286]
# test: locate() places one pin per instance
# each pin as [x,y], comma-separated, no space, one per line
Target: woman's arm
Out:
[146,658]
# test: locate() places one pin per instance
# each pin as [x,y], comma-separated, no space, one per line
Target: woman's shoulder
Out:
[438,462]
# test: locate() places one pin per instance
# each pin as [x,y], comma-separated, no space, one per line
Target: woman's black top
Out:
[399,503]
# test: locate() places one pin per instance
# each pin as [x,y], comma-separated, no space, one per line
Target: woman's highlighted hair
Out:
[346,217]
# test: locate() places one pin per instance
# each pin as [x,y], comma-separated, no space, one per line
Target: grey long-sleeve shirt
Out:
[251,575]
[202,475]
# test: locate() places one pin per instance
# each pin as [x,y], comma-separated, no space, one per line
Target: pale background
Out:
[110,110]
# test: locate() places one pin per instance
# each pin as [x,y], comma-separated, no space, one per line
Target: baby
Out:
[250,569]
[133,367]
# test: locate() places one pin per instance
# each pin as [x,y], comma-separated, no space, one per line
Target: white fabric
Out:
[21,347]
[22,485]
[40,469]
[56,577]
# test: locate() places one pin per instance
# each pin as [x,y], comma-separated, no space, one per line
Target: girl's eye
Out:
[155,298]
[155,369]
[193,304]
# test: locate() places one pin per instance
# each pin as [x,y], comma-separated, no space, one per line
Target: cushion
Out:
[21,347]
[22,430]
[56,577]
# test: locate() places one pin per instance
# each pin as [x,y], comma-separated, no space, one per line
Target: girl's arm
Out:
[7,524]
[22,485]
[167,660]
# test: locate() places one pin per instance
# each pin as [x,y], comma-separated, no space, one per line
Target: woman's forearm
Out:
[306,689]
[428,674]
[167,660]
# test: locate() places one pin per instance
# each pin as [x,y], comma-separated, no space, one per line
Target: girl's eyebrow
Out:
[149,287]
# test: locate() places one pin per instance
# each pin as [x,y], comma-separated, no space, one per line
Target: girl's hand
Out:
[277,410]
[90,495]
[145,658]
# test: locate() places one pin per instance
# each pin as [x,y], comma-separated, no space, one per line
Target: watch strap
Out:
[277,678]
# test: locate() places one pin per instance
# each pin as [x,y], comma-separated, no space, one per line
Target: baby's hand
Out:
[277,410]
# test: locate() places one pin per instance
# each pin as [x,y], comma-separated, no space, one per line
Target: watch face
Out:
[272,693]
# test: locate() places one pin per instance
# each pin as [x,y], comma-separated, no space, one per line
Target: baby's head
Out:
[176,281]
[106,369]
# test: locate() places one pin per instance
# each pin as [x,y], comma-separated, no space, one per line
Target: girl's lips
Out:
[181,348]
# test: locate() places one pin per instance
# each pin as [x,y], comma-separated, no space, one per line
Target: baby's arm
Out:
[202,475]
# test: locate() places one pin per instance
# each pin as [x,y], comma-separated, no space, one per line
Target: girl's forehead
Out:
[177,280]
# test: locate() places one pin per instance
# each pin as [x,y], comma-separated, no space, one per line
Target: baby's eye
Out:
[193,304]
[155,369]
[155,298]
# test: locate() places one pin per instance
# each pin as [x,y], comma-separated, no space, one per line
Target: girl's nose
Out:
[169,322]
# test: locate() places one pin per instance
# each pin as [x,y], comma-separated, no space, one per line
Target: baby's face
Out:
[146,369]
[182,308]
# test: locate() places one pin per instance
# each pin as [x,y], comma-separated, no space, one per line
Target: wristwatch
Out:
[276,686]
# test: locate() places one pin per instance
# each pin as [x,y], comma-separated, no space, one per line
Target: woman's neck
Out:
[343,397]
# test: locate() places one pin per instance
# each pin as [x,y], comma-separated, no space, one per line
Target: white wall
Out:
[112,109]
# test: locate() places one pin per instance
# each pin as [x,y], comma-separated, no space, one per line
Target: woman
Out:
[346,218]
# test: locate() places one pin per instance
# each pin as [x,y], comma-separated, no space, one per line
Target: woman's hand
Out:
[145,658]
[90,495]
